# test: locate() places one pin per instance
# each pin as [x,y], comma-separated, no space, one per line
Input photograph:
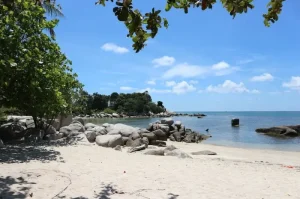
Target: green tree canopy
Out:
[35,76]
[142,26]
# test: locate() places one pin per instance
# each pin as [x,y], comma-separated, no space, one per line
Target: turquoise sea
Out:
[219,125]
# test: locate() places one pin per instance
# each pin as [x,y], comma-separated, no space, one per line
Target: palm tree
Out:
[50,6]
[52,9]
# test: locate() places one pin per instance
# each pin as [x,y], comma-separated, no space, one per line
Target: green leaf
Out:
[166,23]
[168,7]
[123,16]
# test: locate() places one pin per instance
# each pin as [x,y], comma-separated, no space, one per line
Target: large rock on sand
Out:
[122,129]
[73,129]
[206,152]
[279,131]
[49,129]
[161,135]
[89,126]
[151,136]
[79,119]
[159,152]
[134,143]
[11,131]
[168,121]
[109,140]
[91,136]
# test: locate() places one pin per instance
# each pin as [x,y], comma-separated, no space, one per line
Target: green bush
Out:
[109,111]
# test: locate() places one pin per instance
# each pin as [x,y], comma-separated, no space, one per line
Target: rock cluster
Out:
[158,115]
[108,135]
[175,131]
[282,131]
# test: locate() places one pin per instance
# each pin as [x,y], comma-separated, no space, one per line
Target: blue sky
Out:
[204,61]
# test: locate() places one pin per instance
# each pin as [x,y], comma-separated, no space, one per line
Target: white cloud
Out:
[226,71]
[193,82]
[245,61]
[293,84]
[163,61]
[153,90]
[185,70]
[230,87]
[126,88]
[275,92]
[151,82]
[220,66]
[170,83]
[114,48]
[262,78]
[183,87]
[177,88]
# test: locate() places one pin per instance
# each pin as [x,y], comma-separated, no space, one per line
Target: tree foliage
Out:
[142,26]
[131,104]
[35,76]
[50,6]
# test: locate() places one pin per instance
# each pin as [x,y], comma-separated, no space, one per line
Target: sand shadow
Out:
[7,192]
[25,153]
[172,196]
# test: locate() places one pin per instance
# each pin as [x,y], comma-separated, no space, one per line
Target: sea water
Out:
[219,125]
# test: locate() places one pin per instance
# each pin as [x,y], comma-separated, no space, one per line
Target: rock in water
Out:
[235,122]
[115,115]
[109,140]
[279,131]
[178,153]
[206,152]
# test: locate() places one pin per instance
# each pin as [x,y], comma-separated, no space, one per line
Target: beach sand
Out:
[83,171]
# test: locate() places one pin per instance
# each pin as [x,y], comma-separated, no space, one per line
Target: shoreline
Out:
[248,153]
[247,146]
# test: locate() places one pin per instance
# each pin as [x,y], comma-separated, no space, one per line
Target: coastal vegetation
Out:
[36,77]
[129,104]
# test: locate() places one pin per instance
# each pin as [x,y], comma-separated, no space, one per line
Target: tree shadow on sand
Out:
[25,153]
[109,190]
[21,190]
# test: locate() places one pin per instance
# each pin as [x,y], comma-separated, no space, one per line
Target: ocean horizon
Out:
[219,125]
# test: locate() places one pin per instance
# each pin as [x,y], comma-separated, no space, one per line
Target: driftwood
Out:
[138,148]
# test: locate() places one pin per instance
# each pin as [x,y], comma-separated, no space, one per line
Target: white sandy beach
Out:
[94,172]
